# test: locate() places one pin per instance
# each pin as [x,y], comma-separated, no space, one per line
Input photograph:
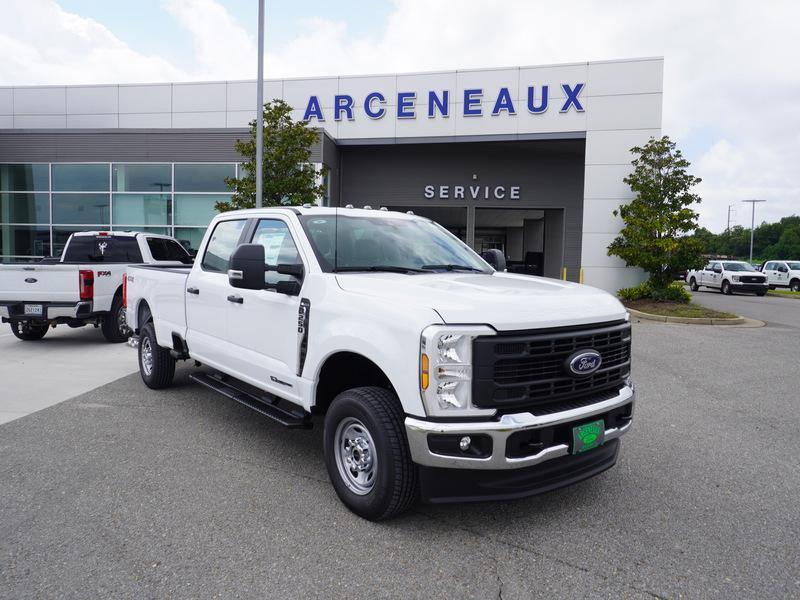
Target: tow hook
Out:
[133,341]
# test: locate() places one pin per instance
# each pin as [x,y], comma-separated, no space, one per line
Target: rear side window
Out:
[103,249]
[170,250]
[223,242]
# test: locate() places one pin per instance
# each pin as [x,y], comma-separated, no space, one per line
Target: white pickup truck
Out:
[782,273]
[728,276]
[84,286]
[438,377]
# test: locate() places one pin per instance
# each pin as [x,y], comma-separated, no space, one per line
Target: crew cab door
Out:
[207,290]
[264,323]
[770,272]
[781,274]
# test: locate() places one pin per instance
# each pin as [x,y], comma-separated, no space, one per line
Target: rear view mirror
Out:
[496,258]
[247,267]
[290,288]
[717,269]
[293,270]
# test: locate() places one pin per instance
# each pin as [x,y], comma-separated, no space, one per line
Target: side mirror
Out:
[293,270]
[496,258]
[247,267]
[290,288]
[717,269]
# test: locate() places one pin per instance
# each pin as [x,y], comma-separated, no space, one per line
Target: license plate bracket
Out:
[588,436]
[36,310]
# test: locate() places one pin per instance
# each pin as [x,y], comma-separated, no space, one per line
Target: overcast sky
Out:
[731,75]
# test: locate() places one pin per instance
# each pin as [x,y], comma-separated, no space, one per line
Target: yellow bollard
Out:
[564,273]
[581,276]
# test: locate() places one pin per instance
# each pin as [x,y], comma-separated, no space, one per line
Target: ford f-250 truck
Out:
[438,377]
[728,276]
[84,286]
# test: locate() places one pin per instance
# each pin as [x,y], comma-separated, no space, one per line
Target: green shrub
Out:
[674,292]
[643,290]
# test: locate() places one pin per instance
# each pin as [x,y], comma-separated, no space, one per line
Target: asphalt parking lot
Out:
[126,492]
[770,309]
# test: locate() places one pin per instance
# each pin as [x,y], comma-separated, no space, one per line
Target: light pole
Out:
[260,108]
[752,224]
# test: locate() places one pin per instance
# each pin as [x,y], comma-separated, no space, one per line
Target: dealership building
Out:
[529,160]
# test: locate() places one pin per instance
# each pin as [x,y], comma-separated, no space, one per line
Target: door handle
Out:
[193,290]
[236,299]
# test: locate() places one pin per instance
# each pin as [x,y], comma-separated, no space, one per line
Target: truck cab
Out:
[435,376]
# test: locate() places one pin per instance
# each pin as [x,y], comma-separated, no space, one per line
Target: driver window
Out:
[279,248]
[708,267]
[718,266]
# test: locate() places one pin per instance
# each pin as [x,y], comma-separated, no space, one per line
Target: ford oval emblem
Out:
[31,280]
[584,362]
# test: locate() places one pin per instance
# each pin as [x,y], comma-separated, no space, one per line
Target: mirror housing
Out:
[496,258]
[247,267]
[293,270]
[717,269]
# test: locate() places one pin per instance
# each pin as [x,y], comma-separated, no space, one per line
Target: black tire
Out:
[794,285]
[726,288]
[392,488]
[761,293]
[693,285]
[28,330]
[156,365]
[114,327]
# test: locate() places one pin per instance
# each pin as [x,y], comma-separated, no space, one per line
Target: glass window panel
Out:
[190,237]
[142,209]
[142,178]
[24,208]
[158,230]
[279,248]
[61,235]
[80,178]
[203,177]
[24,178]
[24,240]
[223,242]
[79,209]
[197,209]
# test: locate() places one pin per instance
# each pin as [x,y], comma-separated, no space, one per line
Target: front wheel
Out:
[693,285]
[28,330]
[726,288]
[795,285]
[115,324]
[761,293]
[156,364]
[367,455]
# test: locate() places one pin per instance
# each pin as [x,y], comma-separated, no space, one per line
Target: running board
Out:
[266,405]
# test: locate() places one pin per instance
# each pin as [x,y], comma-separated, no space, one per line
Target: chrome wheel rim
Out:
[147,356]
[122,321]
[356,457]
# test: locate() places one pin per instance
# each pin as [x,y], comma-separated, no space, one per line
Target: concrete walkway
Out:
[67,362]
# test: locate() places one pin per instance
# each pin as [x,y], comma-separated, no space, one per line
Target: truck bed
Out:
[164,286]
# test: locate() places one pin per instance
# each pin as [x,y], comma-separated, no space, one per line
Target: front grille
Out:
[751,279]
[529,369]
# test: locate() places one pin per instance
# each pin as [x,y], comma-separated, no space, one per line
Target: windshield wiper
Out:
[452,268]
[378,268]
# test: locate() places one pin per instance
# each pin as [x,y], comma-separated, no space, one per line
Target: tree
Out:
[659,221]
[289,178]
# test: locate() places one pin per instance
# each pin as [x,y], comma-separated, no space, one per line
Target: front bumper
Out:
[749,287]
[418,432]
[15,311]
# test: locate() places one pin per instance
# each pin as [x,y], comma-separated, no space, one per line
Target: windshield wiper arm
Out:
[379,268]
[452,267]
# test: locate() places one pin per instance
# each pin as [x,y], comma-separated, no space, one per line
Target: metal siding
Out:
[550,175]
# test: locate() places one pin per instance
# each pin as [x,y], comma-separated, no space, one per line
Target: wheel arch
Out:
[344,370]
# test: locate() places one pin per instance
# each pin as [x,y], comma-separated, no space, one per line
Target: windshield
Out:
[738,266]
[387,244]
[794,266]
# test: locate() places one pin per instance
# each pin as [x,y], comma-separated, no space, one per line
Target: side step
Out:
[266,404]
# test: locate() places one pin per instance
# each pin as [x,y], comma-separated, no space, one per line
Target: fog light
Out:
[464,443]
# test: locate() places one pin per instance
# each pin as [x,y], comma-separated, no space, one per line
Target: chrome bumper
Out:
[417,431]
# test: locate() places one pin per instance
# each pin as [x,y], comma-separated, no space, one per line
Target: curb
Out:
[686,320]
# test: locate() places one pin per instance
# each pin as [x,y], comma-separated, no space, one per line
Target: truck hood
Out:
[505,301]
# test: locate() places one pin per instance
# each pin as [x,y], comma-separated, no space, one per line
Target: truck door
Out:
[781,274]
[769,271]
[715,275]
[264,323]
[207,289]
[706,273]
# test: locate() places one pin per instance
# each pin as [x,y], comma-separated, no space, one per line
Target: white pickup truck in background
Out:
[728,276]
[782,273]
[84,286]
[438,377]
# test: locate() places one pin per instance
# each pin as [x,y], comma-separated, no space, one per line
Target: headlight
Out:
[445,377]
[735,278]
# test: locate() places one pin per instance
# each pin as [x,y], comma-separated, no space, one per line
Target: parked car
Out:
[83,287]
[783,273]
[438,377]
[728,276]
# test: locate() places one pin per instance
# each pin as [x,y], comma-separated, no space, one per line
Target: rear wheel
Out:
[367,455]
[726,288]
[794,285]
[115,325]
[28,330]
[156,365]
[693,285]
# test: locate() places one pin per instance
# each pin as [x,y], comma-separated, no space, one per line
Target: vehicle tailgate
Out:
[39,283]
